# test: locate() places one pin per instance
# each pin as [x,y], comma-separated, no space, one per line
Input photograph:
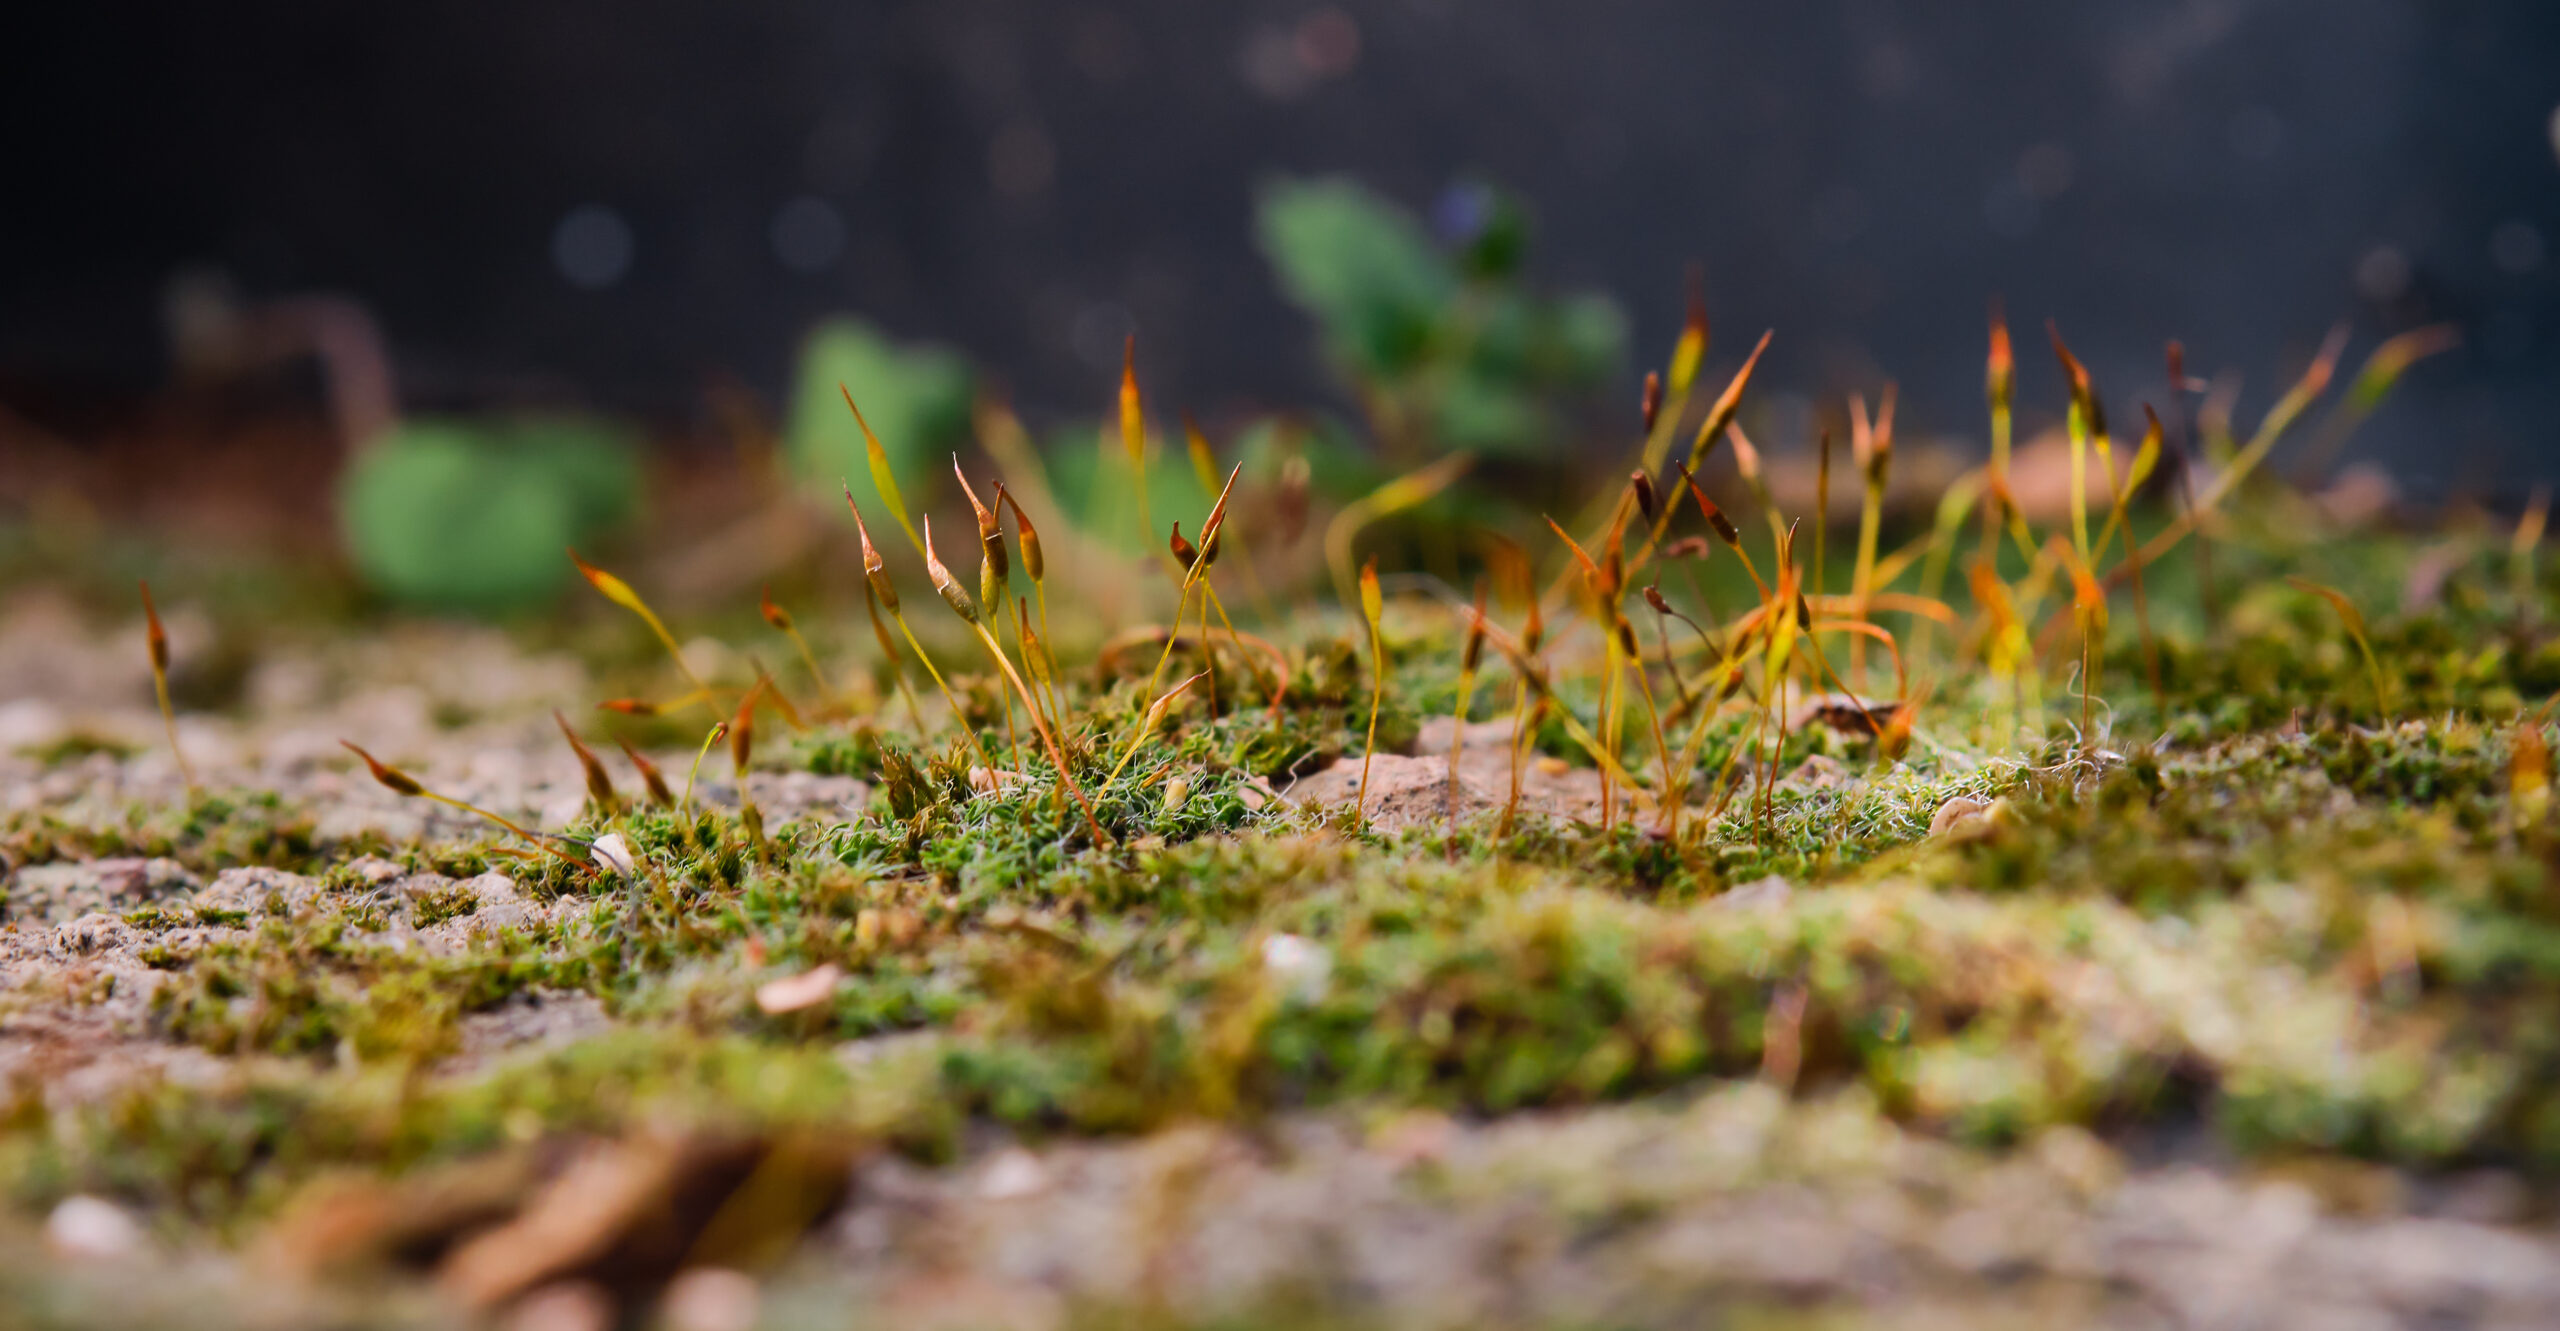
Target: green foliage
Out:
[1097,490]
[1364,268]
[1453,338]
[915,396]
[73,745]
[473,515]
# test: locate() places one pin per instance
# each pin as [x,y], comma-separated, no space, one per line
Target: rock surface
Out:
[1658,1216]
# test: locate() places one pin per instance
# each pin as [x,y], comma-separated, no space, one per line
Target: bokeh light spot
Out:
[2516,247]
[593,247]
[808,235]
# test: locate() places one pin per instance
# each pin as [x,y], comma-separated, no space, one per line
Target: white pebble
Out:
[710,1298]
[91,1229]
[612,853]
[1302,967]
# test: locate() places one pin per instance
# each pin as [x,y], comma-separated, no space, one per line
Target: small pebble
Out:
[91,1229]
[570,1305]
[612,853]
[1768,893]
[1958,815]
[710,1298]
[1303,968]
[1013,1173]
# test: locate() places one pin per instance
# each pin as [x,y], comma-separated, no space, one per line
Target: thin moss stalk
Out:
[156,642]
[1372,608]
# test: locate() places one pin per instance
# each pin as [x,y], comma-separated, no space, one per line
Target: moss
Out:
[853,752]
[2248,898]
[211,832]
[438,905]
[74,745]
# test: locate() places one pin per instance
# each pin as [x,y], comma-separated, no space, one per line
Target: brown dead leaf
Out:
[792,993]
[570,1223]
[344,1225]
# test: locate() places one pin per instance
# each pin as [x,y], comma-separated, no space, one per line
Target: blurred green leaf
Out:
[1095,487]
[1361,266]
[1503,335]
[474,515]
[916,397]
[1585,341]
[1495,231]
[1484,413]
[1340,466]
[1453,338]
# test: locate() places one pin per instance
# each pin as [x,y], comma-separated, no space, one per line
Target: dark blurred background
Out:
[602,201]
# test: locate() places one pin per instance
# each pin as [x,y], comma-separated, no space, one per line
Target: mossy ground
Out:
[2252,904]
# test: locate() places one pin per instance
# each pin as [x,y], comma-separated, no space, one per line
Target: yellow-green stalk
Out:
[1190,558]
[156,641]
[1686,356]
[883,479]
[2087,425]
[1668,798]
[2523,547]
[2353,620]
[1524,712]
[2089,607]
[1718,420]
[1279,663]
[2000,389]
[1414,487]
[650,776]
[1204,464]
[2005,647]
[1787,620]
[1036,565]
[995,573]
[621,594]
[1035,658]
[1468,658]
[2279,418]
[742,742]
[402,783]
[1156,713]
[1611,682]
[684,807]
[1731,671]
[1372,608]
[599,783]
[1725,530]
[1536,682]
[781,619]
[1604,580]
[644,707]
[957,598]
[2372,384]
[1133,442]
[2146,457]
[1822,513]
[875,573]
[1746,461]
[1663,614]
[1516,587]
[1209,530]
[781,701]
[889,653]
[1874,466]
